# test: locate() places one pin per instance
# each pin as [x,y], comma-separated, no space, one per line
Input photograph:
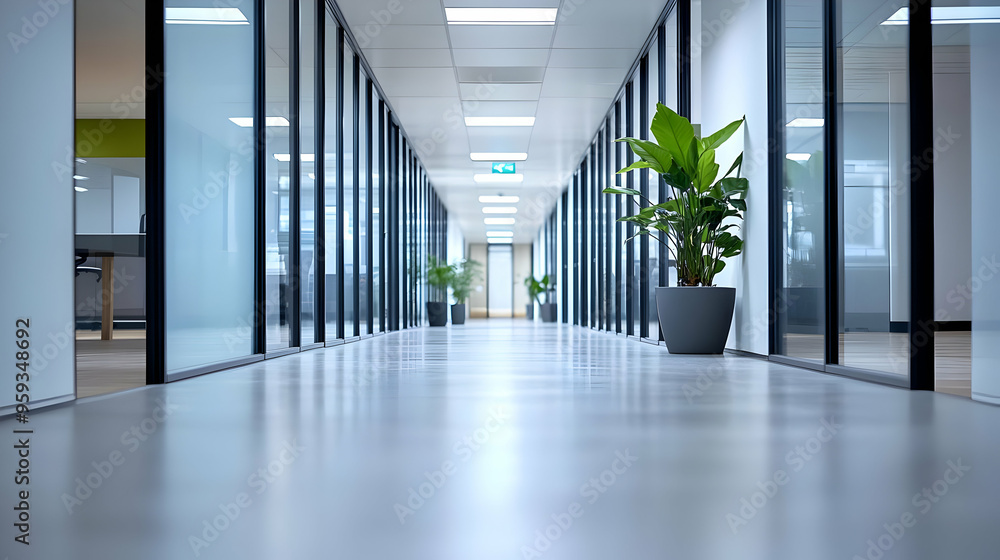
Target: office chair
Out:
[82,258]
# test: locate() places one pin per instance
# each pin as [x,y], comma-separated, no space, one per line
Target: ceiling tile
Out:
[499,108]
[365,16]
[417,82]
[405,37]
[500,36]
[500,92]
[408,58]
[501,74]
[501,57]
[592,58]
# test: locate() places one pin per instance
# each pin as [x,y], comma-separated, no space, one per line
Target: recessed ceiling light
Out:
[206,16]
[247,122]
[499,121]
[950,15]
[499,210]
[799,157]
[81,160]
[80,189]
[498,156]
[498,177]
[80,177]
[499,234]
[803,122]
[499,199]
[496,240]
[501,16]
[498,221]
[288,157]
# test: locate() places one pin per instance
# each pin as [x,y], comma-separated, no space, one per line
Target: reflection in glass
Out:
[362,217]
[277,295]
[208,191]
[307,141]
[333,232]
[348,221]
[801,298]
[874,188]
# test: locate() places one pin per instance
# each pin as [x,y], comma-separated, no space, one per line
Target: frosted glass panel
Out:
[208,191]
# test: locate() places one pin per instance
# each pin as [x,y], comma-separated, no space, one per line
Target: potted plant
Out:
[439,277]
[464,274]
[547,310]
[698,224]
[534,290]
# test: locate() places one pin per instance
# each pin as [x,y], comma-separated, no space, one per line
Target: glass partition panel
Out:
[330,166]
[209,189]
[307,188]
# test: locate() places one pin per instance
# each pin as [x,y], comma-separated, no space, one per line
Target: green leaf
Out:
[708,170]
[676,135]
[641,164]
[719,138]
[738,164]
[734,186]
[658,158]
[621,190]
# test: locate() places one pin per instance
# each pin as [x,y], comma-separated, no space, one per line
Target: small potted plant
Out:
[439,277]
[698,224]
[464,274]
[534,290]
[547,310]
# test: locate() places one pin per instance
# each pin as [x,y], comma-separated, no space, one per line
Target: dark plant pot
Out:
[549,312]
[437,313]
[529,311]
[458,314]
[695,320]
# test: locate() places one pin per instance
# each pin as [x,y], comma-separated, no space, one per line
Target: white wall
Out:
[734,83]
[36,197]
[522,269]
[456,241]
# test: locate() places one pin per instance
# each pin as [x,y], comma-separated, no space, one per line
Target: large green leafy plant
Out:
[539,287]
[701,219]
[439,274]
[464,274]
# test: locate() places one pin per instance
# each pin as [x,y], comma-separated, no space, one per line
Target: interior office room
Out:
[470,279]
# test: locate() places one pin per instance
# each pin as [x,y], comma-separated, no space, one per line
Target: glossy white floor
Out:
[508,430]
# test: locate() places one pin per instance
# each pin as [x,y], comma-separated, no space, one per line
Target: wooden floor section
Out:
[888,352]
[109,366]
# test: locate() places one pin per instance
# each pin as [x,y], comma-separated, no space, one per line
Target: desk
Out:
[108,246]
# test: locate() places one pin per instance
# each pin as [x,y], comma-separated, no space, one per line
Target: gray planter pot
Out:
[549,313]
[458,314]
[437,313]
[529,311]
[695,320]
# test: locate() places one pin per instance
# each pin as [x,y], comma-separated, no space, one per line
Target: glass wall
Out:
[332,179]
[208,191]
[276,184]
[801,282]
[307,171]
[874,187]
[278,181]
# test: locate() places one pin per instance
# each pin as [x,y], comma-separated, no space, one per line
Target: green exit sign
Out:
[503,167]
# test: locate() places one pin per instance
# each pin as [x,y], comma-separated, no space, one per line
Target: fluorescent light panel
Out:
[803,122]
[499,199]
[498,156]
[501,16]
[498,177]
[288,157]
[499,210]
[498,241]
[80,177]
[799,157]
[499,234]
[498,221]
[950,15]
[206,16]
[80,189]
[499,121]
[247,122]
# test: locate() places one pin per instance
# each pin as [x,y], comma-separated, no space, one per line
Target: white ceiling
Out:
[565,75]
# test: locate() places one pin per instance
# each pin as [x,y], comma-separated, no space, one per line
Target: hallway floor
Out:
[507,440]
